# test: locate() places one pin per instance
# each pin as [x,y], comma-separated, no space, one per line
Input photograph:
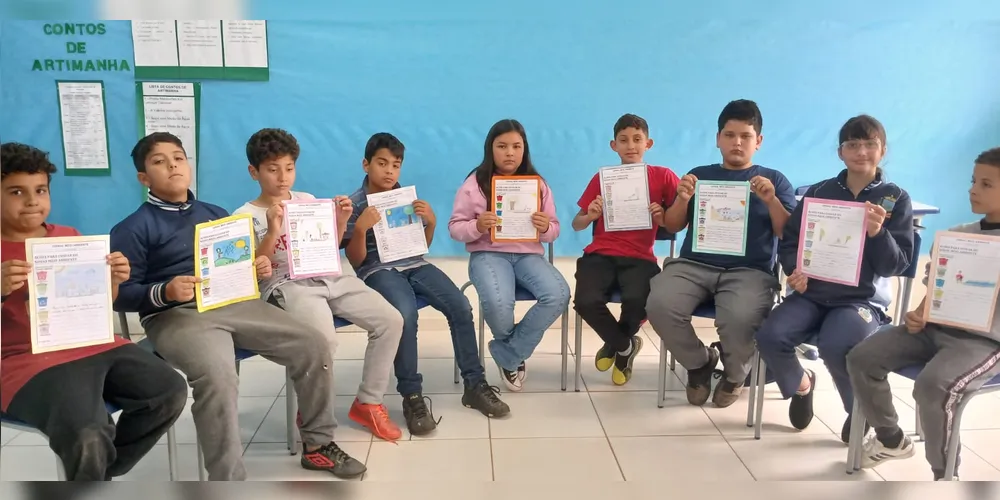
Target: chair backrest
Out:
[552,253]
[123,319]
[911,271]
[801,190]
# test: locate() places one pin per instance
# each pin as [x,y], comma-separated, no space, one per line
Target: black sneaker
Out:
[800,410]
[333,459]
[510,379]
[622,371]
[605,358]
[522,372]
[845,432]
[486,399]
[419,418]
[699,386]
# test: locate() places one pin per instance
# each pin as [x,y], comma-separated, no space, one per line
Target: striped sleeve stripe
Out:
[156,295]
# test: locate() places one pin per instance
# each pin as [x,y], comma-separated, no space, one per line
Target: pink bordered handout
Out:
[313,243]
[832,240]
[962,281]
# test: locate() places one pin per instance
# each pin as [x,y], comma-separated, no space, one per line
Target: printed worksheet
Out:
[515,199]
[69,292]
[832,240]
[399,233]
[625,190]
[719,222]
[962,284]
[224,261]
[313,242]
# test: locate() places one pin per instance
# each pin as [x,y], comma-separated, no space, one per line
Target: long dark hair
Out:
[484,172]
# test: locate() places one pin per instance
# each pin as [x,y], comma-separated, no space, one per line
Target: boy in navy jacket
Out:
[158,240]
[841,315]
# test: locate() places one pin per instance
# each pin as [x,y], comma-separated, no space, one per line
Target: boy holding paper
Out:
[841,315]
[741,284]
[620,260]
[272,154]
[158,239]
[402,281]
[62,393]
[958,361]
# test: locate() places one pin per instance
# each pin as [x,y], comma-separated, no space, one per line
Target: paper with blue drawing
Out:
[625,190]
[224,261]
[69,296]
[399,232]
[313,243]
[962,283]
[719,220]
[832,240]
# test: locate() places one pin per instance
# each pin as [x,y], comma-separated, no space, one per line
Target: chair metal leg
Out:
[953,439]
[202,472]
[919,425]
[457,373]
[755,368]
[673,360]
[661,382]
[578,351]
[482,338]
[564,341]
[60,469]
[759,393]
[172,454]
[291,410]
[856,437]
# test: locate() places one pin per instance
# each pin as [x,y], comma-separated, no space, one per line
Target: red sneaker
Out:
[376,419]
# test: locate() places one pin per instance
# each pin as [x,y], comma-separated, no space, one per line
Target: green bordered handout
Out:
[720,216]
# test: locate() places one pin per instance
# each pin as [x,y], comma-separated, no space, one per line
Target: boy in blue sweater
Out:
[741,286]
[158,240]
[840,315]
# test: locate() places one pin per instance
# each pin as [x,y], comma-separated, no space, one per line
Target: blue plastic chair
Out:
[522,295]
[911,372]
[616,298]
[12,423]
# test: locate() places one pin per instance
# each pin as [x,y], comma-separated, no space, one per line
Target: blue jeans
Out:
[495,276]
[401,289]
[836,329]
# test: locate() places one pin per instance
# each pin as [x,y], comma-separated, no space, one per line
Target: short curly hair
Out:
[271,144]
[17,158]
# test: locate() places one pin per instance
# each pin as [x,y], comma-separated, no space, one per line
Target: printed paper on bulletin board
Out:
[198,50]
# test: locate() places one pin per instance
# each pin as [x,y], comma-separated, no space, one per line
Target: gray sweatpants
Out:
[743,298]
[315,301]
[956,363]
[202,345]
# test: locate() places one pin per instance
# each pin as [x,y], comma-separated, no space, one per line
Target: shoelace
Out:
[421,410]
[490,392]
[335,453]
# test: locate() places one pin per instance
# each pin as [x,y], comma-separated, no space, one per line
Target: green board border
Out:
[205,73]
[694,217]
[85,172]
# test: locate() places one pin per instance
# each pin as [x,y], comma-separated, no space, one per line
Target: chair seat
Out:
[7,419]
[911,372]
[706,310]
[522,294]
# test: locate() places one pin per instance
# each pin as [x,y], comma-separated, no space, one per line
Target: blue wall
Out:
[438,80]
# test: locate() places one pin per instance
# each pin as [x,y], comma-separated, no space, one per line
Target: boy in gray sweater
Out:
[957,362]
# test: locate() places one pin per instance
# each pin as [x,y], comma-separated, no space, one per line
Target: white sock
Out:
[628,351]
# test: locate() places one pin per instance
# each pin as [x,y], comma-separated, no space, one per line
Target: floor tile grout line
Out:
[261,424]
[597,413]
[728,443]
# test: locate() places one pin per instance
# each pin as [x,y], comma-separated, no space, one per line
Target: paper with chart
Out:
[625,190]
[172,107]
[224,261]
[69,292]
[515,199]
[719,221]
[832,240]
[399,233]
[962,285]
[313,243]
[84,127]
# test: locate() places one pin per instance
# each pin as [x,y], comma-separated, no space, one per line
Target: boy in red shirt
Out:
[62,393]
[620,260]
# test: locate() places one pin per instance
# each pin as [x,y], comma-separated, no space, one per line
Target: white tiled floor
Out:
[603,433]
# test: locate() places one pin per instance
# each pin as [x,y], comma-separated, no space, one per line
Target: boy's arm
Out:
[782,205]
[429,233]
[462,224]
[675,218]
[582,220]
[356,249]
[135,294]
[891,250]
[668,197]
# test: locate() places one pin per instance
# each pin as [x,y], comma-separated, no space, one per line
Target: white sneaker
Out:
[874,452]
[955,478]
[510,379]
[522,372]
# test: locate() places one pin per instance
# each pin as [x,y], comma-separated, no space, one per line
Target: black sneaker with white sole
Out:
[800,409]
[522,372]
[419,417]
[510,379]
[486,399]
[875,453]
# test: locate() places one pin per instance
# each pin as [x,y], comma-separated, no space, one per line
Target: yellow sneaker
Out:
[604,359]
